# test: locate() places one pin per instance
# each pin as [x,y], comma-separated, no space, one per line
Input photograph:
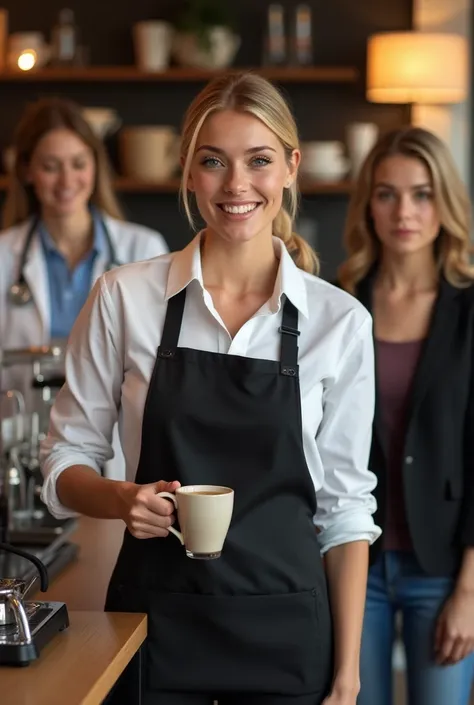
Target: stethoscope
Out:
[20,293]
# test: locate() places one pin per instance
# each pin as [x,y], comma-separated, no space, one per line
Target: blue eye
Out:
[211,162]
[261,161]
[423,196]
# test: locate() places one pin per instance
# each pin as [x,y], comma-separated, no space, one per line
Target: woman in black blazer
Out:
[407,240]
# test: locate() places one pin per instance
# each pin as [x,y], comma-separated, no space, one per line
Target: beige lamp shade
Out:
[417,67]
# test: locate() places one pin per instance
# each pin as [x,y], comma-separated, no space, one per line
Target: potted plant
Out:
[205,36]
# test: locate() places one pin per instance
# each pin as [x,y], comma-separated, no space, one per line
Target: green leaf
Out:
[200,15]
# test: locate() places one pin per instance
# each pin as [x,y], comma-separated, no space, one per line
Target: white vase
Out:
[189,49]
[152,45]
[360,137]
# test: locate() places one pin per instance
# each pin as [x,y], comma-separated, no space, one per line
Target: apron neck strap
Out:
[289,340]
[172,326]
[288,330]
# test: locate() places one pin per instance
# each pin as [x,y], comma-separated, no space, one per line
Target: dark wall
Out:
[322,111]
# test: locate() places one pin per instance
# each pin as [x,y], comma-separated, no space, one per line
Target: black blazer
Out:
[438,471]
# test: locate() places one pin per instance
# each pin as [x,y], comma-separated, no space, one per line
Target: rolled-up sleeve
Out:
[86,408]
[345,500]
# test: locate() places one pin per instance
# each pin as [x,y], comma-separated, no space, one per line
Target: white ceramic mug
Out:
[361,137]
[204,514]
[152,45]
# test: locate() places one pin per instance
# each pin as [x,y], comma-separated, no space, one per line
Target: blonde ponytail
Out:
[301,251]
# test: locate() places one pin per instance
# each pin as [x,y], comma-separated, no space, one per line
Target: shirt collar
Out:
[186,267]
[99,244]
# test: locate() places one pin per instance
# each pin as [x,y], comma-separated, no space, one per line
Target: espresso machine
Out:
[22,432]
[26,626]
[25,521]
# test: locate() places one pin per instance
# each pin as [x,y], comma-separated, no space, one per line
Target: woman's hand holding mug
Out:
[147,515]
[205,513]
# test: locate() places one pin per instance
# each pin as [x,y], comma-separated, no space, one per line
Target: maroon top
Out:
[396,365]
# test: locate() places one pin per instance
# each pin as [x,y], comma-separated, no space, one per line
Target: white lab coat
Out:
[24,326]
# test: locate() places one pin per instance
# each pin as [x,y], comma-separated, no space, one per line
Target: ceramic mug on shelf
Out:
[360,138]
[152,41]
[149,152]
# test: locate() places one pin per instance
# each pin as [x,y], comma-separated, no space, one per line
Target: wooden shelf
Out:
[308,188]
[309,74]
[126,185]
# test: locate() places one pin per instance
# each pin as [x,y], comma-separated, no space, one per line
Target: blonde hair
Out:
[38,119]
[250,93]
[452,247]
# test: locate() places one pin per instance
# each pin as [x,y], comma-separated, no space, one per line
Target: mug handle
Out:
[172,497]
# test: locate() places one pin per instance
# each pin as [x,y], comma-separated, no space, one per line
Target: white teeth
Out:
[240,209]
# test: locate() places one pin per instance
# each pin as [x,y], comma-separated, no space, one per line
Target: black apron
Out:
[257,619]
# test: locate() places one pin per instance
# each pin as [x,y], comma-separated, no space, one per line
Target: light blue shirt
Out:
[68,290]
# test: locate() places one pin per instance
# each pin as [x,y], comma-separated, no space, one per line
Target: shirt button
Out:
[409,459]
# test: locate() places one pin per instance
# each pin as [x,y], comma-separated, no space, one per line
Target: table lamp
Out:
[420,69]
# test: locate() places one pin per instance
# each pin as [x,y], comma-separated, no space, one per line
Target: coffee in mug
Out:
[204,513]
[210,492]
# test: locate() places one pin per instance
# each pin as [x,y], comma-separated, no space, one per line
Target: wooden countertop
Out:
[80,665]
[82,585]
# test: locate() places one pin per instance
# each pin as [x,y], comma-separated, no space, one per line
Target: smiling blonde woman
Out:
[230,363]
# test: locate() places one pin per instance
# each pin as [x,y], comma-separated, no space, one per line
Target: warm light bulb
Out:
[27,60]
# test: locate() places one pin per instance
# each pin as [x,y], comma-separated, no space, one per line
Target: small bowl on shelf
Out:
[326,175]
[324,161]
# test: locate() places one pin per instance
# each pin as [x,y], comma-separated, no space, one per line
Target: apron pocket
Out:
[252,643]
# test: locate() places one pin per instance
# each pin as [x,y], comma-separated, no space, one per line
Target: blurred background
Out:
[150,36]
[108,35]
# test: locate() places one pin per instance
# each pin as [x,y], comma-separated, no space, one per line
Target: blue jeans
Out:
[397,584]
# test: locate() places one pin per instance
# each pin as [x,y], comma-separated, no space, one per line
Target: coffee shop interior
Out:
[133,68]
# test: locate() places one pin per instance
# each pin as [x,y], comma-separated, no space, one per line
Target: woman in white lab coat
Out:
[63,229]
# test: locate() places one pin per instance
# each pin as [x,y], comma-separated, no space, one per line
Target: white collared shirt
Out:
[112,351]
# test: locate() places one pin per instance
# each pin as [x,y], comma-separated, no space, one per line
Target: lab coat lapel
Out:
[36,276]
